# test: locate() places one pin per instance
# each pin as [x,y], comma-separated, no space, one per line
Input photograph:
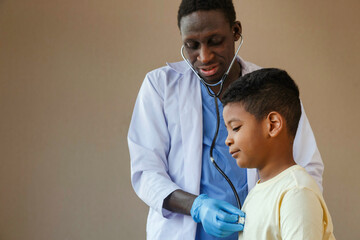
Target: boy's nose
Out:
[228,141]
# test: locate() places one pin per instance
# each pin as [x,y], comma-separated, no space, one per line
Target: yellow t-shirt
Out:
[289,206]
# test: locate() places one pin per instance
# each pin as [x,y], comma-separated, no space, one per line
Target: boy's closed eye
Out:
[236,129]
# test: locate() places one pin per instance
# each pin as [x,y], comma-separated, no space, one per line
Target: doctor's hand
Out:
[219,218]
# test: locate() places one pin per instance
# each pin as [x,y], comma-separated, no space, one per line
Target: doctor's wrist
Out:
[196,206]
[179,201]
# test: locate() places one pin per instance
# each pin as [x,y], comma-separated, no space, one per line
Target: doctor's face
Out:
[209,41]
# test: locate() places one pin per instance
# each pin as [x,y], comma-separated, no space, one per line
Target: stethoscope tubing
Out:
[215,96]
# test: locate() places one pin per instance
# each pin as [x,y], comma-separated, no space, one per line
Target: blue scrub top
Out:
[212,182]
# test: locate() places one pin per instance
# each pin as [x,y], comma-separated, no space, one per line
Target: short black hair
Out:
[264,91]
[189,6]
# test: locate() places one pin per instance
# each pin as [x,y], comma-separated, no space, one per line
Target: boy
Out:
[261,113]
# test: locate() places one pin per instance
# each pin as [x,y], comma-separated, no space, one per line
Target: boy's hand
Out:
[219,218]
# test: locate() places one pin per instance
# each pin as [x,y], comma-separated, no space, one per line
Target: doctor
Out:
[172,127]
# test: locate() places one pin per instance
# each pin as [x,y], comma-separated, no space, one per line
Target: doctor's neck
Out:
[234,74]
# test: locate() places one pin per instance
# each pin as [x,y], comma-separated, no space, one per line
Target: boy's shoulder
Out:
[294,177]
[302,179]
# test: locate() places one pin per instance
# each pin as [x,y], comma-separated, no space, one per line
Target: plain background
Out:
[70,71]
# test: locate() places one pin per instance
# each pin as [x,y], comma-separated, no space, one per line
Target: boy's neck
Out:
[275,165]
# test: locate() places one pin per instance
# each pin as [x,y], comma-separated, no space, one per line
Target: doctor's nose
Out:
[205,55]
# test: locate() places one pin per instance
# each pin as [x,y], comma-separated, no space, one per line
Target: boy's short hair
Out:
[189,6]
[264,91]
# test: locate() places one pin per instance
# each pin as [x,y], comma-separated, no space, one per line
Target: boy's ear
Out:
[275,124]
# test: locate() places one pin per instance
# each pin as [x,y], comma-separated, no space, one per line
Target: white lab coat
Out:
[165,144]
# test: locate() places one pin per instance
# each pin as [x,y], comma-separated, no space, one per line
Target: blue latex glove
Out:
[219,218]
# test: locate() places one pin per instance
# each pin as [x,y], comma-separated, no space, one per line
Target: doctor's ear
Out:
[237,30]
[275,123]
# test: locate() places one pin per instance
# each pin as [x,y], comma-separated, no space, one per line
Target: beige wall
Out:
[69,76]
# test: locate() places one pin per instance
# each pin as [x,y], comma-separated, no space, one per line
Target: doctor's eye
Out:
[215,41]
[192,45]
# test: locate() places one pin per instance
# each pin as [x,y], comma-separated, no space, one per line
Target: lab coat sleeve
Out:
[149,141]
[305,150]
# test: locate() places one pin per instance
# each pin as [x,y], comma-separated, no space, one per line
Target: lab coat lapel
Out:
[190,106]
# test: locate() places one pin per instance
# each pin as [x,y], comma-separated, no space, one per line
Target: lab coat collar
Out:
[180,67]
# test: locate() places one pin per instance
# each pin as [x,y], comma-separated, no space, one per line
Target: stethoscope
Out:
[215,96]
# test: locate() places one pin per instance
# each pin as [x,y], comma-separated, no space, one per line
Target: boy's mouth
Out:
[234,153]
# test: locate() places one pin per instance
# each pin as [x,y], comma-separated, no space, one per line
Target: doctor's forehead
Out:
[203,20]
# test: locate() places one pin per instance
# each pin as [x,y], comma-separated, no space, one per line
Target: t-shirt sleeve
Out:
[301,215]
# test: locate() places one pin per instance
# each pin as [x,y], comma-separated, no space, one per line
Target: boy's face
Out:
[247,136]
